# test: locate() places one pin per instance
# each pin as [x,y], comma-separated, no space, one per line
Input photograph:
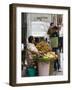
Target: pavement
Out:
[57,73]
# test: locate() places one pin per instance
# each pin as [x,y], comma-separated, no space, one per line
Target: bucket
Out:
[31,71]
[43,68]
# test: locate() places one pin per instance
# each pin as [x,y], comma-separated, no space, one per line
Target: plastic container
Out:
[44,68]
[31,71]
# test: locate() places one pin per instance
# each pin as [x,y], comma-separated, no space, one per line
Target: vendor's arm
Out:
[34,52]
[32,48]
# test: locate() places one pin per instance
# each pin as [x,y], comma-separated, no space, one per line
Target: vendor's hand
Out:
[40,52]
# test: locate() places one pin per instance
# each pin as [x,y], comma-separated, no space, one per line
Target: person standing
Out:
[54,39]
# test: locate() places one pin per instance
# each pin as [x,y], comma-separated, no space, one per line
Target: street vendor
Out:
[31,49]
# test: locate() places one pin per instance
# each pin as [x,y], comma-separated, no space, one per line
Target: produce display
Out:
[43,47]
[50,56]
[46,52]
